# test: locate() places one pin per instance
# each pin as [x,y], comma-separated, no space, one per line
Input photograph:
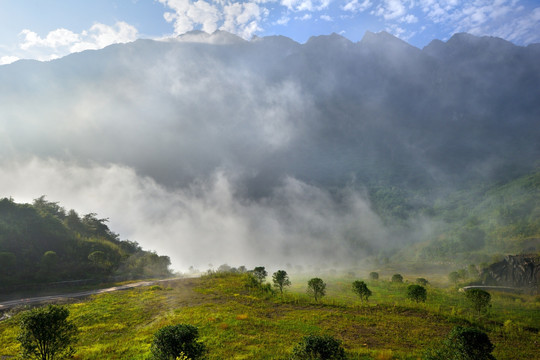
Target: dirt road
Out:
[52,298]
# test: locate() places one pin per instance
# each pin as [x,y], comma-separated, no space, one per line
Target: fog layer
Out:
[211,149]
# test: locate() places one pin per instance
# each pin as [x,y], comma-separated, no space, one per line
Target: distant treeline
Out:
[42,242]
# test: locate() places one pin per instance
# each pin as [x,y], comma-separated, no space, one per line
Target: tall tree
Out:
[281,279]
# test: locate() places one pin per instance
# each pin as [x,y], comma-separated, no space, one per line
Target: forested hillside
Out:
[480,224]
[42,242]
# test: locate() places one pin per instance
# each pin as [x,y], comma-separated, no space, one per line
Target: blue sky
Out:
[44,30]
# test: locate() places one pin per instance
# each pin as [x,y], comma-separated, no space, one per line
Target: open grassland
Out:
[240,323]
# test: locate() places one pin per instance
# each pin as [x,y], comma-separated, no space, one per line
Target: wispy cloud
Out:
[61,42]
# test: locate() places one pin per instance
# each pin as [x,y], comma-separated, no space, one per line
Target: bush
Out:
[316,288]
[361,289]
[463,344]
[46,333]
[374,275]
[397,278]
[479,300]
[317,347]
[173,341]
[422,281]
[417,293]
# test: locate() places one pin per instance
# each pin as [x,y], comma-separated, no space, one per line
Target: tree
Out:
[316,288]
[417,293]
[318,347]
[463,344]
[281,279]
[361,289]
[260,273]
[46,333]
[422,281]
[374,275]
[479,299]
[172,341]
[397,278]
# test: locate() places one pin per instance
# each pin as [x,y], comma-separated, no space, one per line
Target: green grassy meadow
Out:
[236,322]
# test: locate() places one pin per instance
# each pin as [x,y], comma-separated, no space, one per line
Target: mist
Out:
[211,149]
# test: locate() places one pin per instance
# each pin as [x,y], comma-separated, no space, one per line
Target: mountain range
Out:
[330,116]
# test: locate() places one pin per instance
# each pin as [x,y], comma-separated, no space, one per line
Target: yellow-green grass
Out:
[238,323]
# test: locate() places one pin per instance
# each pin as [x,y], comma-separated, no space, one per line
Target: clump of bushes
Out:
[318,347]
[175,341]
[463,343]
[416,293]
[397,278]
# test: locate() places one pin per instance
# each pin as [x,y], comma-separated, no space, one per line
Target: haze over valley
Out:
[212,149]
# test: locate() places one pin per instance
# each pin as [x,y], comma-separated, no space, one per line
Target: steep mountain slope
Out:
[293,141]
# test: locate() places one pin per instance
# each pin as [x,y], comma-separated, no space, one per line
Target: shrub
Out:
[479,299]
[174,341]
[374,275]
[317,347]
[422,281]
[316,288]
[361,289]
[463,344]
[46,333]
[417,293]
[397,278]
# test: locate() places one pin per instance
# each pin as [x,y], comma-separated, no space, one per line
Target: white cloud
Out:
[504,18]
[8,59]
[326,18]
[390,9]
[305,5]
[54,39]
[284,20]
[61,42]
[240,18]
[304,17]
[355,6]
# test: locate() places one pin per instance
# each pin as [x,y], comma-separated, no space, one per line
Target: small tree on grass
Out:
[479,300]
[317,347]
[175,341]
[260,273]
[374,275]
[417,293]
[397,278]
[281,279]
[422,281]
[46,333]
[316,288]
[463,344]
[361,289]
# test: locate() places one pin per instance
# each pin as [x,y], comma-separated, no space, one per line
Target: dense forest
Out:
[42,242]
[478,224]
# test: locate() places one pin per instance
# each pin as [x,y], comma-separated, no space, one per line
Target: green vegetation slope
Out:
[41,242]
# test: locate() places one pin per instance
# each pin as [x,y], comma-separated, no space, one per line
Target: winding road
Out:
[52,298]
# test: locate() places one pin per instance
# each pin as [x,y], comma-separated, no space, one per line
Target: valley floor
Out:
[236,322]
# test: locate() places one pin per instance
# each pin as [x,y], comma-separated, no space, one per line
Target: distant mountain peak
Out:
[218,37]
[332,38]
[384,38]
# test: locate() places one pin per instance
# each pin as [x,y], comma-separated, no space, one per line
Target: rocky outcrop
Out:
[520,271]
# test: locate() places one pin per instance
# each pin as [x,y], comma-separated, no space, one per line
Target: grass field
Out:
[238,323]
